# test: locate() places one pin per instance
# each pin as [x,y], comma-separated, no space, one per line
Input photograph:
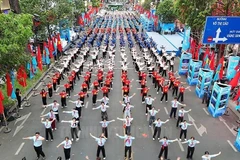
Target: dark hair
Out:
[59,158]
[206,152]
[67,138]
[55,101]
[37,133]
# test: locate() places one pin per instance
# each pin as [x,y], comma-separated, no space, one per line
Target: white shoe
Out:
[143,102]
[161,101]
[150,126]
[72,139]
[55,129]
[166,101]
[180,139]
[158,138]
[146,114]
[46,140]
[157,92]
[104,158]
[77,139]
[185,139]
[21,108]
[154,139]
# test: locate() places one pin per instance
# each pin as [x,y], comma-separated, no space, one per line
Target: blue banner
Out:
[232,63]
[64,30]
[47,59]
[186,39]
[184,63]
[13,96]
[34,64]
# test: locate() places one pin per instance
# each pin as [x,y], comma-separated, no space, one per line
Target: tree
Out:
[15,7]
[95,3]
[147,4]
[15,31]
[166,12]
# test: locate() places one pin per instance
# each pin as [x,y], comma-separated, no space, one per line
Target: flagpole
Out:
[7,130]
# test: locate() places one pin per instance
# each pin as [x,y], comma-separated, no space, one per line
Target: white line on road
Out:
[152,130]
[30,95]
[19,149]
[38,85]
[181,146]
[79,133]
[86,106]
[57,89]
[1,128]
[43,111]
[205,111]
[235,150]
[224,122]
[166,110]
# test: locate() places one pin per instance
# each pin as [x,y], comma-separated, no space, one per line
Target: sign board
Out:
[221,30]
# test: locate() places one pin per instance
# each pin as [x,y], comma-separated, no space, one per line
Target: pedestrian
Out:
[175,104]
[52,117]
[165,92]
[50,89]
[152,115]
[78,106]
[125,90]
[103,108]
[157,130]
[128,145]
[75,115]
[149,101]
[54,106]
[105,100]
[54,81]
[66,147]
[37,144]
[164,148]
[191,146]
[181,93]
[43,93]
[126,109]
[63,96]
[176,84]
[184,125]
[19,98]
[181,113]
[100,141]
[127,124]
[127,98]
[94,96]
[68,88]
[105,124]
[81,95]
[207,156]
[105,91]
[48,128]
[205,96]
[73,126]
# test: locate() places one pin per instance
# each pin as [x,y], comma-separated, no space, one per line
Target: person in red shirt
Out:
[86,80]
[127,82]
[73,74]
[105,91]
[140,75]
[158,77]
[68,88]
[43,93]
[81,95]
[50,89]
[144,75]
[54,81]
[160,84]
[165,92]
[181,93]
[71,79]
[100,78]
[125,90]
[144,92]
[154,75]
[95,84]
[94,96]
[58,77]
[123,77]
[172,79]
[108,83]
[63,96]
[176,84]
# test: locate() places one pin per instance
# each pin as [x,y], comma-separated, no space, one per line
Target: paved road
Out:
[215,140]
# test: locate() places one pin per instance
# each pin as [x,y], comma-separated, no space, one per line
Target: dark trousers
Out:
[105,131]
[79,109]
[54,86]
[128,130]
[19,101]
[74,132]
[148,107]
[44,100]
[204,99]
[48,131]
[68,91]
[143,96]
[190,152]
[180,96]
[180,119]
[165,150]
[183,132]
[39,151]
[165,94]
[171,68]
[164,73]
[79,127]
[173,111]
[67,153]
[151,120]
[101,149]
[63,101]
[129,150]
[175,91]
[72,85]
[94,99]
[50,91]
[57,116]
[105,94]
[157,131]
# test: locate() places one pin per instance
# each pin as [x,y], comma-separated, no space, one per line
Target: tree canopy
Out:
[147,4]
[95,3]
[166,11]
[15,31]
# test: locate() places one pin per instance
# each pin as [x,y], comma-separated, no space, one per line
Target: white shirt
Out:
[73,112]
[184,126]
[36,141]
[209,157]
[192,143]
[127,99]
[127,140]
[175,104]
[105,100]
[78,104]
[51,115]
[127,107]
[128,121]
[100,141]
[181,112]
[54,106]
[67,144]
[165,143]
[104,124]
[103,108]
[47,124]
[159,123]
[149,100]
[152,112]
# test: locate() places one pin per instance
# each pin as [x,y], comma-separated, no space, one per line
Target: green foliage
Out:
[95,3]
[15,31]
[147,4]
[166,12]
[8,102]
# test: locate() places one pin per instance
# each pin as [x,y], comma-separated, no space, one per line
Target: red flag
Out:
[9,85]
[50,48]
[212,62]
[234,81]
[39,58]
[1,103]
[22,76]
[30,49]
[193,45]
[237,96]
[80,21]
[59,44]
[221,70]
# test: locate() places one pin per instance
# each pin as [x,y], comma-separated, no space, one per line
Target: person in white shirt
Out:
[126,109]
[127,122]
[207,156]
[78,106]
[184,125]
[52,117]
[158,123]
[175,104]
[191,147]
[165,142]
[164,73]
[181,113]
[54,107]
[73,125]
[128,144]
[67,143]
[105,124]
[105,99]
[48,128]
[149,101]
[74,115]
[127,99]
[103,108]
[100,141]
[37,144]
[152,115]
[171,65]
